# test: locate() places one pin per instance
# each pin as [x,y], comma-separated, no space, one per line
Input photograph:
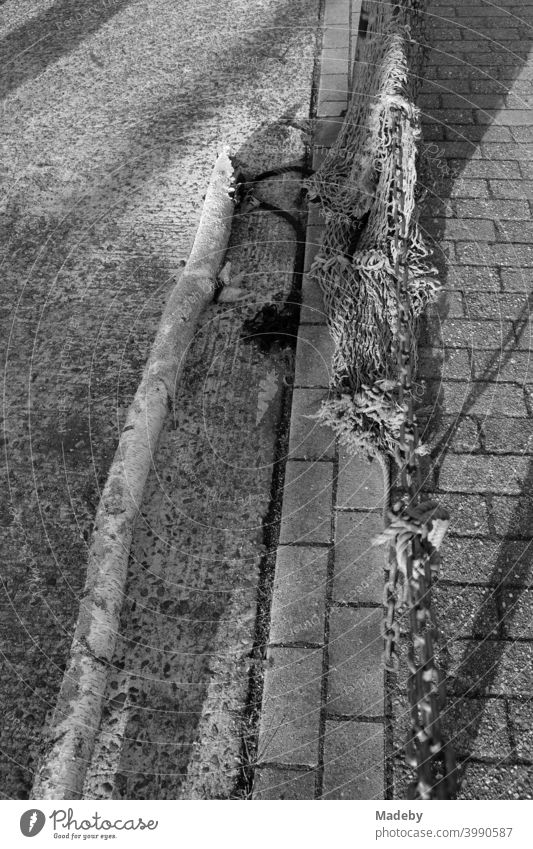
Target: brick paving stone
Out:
[490,667]
[444,251]
[466,611]
[479,305]
[483,85]
[470,10]
[526,169]
[465,332]
[307,499]
[434,132]
[444,363]
[522,134]
[355,681]
[508,365]
[299,595]
[484,474]
[513,517]
[353,754]
[500,170]
[271,783]
[452,433]
[505,255]
[448,305]
[471,189]
[514,231]
[506,435]
[489,781]
[494,133]
[517,606]
[521,720]
[520,189]
[516,280]
[460,150]
[359,565]
[468,513]
[471,278]
[308,439]
[496,562]
[505,151]
[466,228]
[290,718]
[437,206]
[482,397]
[512,117]
[478,728]
[454,116]
[360,483]
[509,255]
[525,335]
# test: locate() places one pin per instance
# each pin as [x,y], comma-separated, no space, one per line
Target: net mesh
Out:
[355,264]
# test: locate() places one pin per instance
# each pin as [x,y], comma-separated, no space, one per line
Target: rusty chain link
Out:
[415,531]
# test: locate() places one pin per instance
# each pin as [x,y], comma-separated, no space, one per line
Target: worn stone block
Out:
[360,483]
[484,474]
[314,352]
[312,310]
[299,595]
[355,682]
[290,718]
[308,439]
[353,761]
[307,503]
[292,785]
[359,565]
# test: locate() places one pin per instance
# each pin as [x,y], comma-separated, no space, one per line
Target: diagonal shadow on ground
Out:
[30,49]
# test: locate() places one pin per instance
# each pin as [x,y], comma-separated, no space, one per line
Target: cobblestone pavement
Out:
[476,100]
[113,112]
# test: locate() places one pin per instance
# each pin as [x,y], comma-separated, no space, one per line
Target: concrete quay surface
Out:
[113,112]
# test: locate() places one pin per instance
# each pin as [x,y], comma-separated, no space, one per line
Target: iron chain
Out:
[415,532]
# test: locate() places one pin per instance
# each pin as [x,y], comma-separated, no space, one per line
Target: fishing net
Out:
[355,265]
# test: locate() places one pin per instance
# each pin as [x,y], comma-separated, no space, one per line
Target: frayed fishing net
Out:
[355,266]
